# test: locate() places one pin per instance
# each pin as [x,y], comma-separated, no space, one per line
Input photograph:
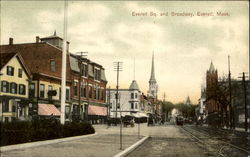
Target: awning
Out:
[48,110]
[139,115]
[97,110]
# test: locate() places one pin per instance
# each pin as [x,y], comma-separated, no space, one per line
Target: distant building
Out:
[188,101]
[14,95]
[212,105]
[129,101]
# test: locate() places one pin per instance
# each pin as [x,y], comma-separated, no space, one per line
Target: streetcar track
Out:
[220,151]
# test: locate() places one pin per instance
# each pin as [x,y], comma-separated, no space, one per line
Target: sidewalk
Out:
[103,144]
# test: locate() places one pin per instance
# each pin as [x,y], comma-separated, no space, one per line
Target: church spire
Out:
[152,77]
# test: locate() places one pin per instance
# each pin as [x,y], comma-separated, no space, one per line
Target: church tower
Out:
[211,80]
[153,87]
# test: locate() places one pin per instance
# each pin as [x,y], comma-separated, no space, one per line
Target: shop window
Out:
[5,106]
[13,88]
[22,89]
[32,90]
[5,86]
[10,70]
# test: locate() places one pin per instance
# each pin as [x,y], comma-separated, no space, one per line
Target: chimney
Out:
[10,41]
[37,39]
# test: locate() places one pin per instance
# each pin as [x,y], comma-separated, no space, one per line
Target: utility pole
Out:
[80,82]
[64,60]
[108,106]
[230,96]
[245,99]
[117,68]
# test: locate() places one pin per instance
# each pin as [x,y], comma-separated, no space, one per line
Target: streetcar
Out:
[179,120]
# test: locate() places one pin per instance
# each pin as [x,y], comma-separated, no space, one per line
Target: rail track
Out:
[216,145]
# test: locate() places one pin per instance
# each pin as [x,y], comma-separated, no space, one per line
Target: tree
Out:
[167,107]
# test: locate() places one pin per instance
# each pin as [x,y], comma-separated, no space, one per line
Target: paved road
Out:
[171,141]
[168,140]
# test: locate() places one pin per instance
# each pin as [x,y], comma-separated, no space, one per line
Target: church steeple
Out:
[153,88]
[152,77]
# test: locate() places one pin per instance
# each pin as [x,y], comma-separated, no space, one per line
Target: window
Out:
[50,88]
[135,105]
[20,73]
[22,89]
[84,70]
[13,88]
[32,90]
[97,74]
[90,91]
[5,106]
[52,65]
[136,95]
[5,86]
[75,88]
[42,89]
[132,105]
[96,92]
[132,95]
[67,94]
[14,108]
[10,71]
[82,90]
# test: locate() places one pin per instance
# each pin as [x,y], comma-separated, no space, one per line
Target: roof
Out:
[52,37]
[211,68]
[5,58]
[36,56]
[134,85]
[74,64]
[103,77]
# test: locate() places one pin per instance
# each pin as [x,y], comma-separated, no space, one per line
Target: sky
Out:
[183,46]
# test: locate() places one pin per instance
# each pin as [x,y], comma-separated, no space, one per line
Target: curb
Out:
[131,148]
[41,143]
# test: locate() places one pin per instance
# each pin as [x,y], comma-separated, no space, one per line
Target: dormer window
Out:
[52,65]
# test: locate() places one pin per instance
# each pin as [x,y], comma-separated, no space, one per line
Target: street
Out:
[164,140]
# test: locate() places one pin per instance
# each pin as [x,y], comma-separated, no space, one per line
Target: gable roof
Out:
[6,57]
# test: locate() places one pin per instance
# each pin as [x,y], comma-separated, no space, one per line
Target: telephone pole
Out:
[245,99]
[118,68]
[81,55]
[230,96]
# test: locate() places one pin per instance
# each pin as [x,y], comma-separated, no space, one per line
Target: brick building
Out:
[85,80]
